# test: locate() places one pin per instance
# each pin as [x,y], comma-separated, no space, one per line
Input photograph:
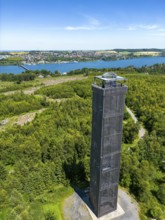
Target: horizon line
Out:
[142,48]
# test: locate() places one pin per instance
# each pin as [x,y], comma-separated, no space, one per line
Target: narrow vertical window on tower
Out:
[107,115]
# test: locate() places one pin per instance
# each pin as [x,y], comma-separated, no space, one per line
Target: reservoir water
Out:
[65,67]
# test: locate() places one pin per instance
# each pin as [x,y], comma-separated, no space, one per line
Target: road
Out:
[142,131]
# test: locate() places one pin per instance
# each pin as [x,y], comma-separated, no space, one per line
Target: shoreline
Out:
[79,61]
[64,67]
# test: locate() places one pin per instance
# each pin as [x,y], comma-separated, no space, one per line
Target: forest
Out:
[42,159]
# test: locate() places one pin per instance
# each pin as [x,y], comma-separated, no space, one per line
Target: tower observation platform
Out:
[108,102]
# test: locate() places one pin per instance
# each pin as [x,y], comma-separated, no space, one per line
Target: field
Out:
[19,53]
[147,53]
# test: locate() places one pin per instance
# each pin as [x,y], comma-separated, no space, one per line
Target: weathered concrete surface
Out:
[113,215]
[129,205]
[76,207]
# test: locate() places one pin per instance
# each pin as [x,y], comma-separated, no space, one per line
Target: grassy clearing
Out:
[5,84]
[56,201]
[124,53]
[46,206]
[9,87]
[20,119]
[12,87]
[3,214]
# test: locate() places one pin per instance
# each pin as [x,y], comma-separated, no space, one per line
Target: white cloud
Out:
[148,27]
[153,30]
[77,28]
[161,29]
[159,34]
[131,28]
[91,24]
[93,21]
[142,27]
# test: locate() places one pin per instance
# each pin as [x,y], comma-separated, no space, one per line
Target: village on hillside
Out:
[36,57]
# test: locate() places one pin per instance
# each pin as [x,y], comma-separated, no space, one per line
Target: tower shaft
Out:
[107,116]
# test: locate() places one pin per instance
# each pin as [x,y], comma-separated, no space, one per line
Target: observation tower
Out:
[109,92]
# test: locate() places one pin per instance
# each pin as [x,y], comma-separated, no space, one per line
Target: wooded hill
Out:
[39,161]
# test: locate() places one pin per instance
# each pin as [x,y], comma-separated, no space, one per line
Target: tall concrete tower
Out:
[107,115]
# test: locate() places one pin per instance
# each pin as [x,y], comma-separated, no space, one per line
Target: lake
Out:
[65,67]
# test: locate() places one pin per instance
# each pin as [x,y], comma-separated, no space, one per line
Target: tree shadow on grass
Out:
[75,173]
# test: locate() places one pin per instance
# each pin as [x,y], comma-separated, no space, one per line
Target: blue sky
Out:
[81,24]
